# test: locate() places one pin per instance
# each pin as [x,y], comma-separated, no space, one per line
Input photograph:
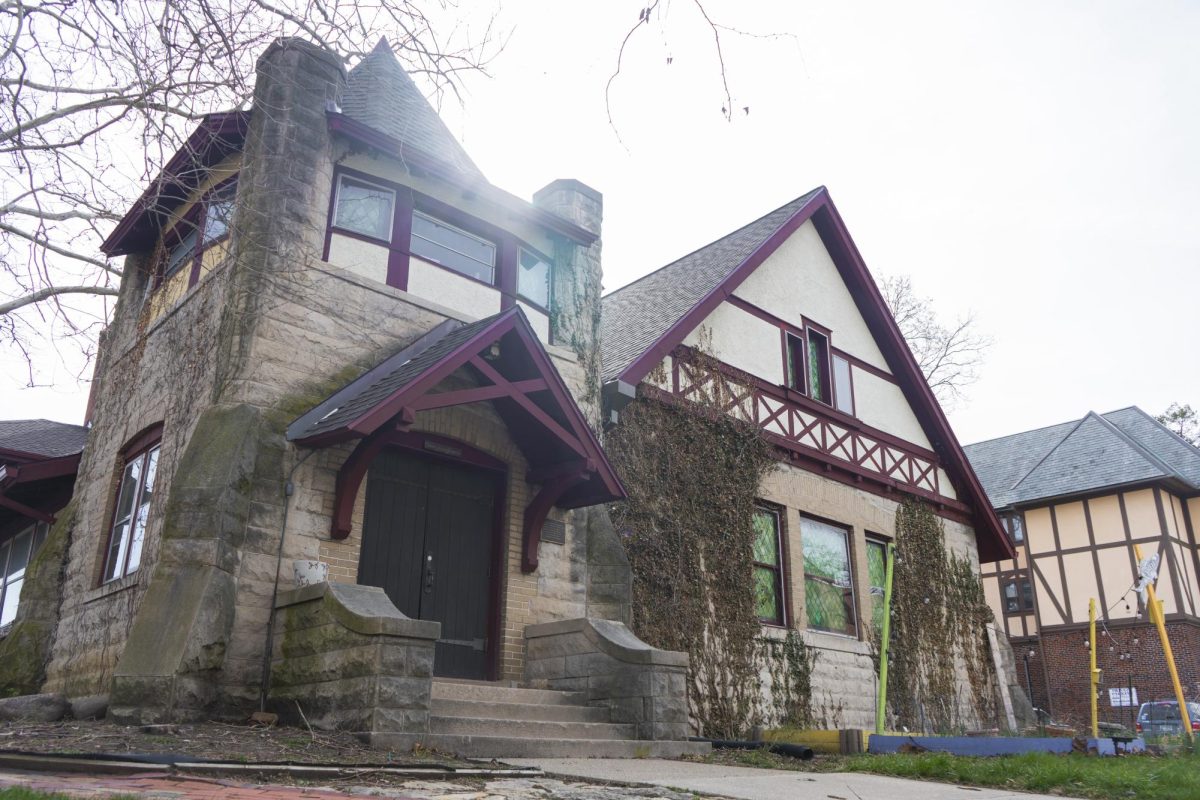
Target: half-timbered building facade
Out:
[1076,498]
[806,350]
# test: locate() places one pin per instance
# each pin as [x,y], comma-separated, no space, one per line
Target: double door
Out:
[428,539]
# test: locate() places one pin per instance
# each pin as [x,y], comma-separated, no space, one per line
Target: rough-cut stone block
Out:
[34,708]
[93,706]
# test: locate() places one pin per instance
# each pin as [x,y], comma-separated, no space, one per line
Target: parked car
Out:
[1161,718]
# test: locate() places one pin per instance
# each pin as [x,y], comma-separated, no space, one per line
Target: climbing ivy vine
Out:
[693,474]
[939,614]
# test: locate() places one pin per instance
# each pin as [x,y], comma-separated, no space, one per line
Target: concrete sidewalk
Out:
[749,783]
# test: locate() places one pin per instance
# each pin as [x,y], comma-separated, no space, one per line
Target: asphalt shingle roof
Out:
[369,389]
[636,315]
[379,93]
[42,437]
[1095,452]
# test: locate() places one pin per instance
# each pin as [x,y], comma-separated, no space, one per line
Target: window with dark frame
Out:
[768,567]
[876,578]
[818,367]
[453,248]
[533,279]
[364,208]
[1018,596]
[794,355]
[828,577]
[206,224]
[134,494]
[1015,529]
[843,386]
[15,555]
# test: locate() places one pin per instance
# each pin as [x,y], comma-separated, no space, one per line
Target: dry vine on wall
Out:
[939,614]
[693,474]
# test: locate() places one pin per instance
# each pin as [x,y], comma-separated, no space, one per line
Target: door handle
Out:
[429,574]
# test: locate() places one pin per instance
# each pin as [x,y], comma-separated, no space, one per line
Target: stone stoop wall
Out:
[640,685]
[1062,662]
[345,659]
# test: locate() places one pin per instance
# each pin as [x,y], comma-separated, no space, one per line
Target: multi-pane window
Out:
[364,208]
[768,567]
[453,248]
[1015,528]
[1018,596]
[129,518]
[828,582]
[876,578]
[533,279]
[14,558]
[207,223]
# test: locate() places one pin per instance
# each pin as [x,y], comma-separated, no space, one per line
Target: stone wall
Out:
[345,659]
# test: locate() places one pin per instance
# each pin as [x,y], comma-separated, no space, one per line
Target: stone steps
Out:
[529,729]
[500,693]
[498,720]
[469,746]
[481,709]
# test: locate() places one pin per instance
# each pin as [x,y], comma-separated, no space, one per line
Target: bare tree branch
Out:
[53,291]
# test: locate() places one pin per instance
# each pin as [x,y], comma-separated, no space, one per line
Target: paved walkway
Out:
[749,783]
[159,786]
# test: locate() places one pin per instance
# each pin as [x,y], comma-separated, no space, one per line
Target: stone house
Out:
[1076,497]
[805,349]
[340,352]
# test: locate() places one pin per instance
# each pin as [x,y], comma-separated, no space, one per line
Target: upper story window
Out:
[814,369]
[533,279]
[364,208]
[453,248]
[828,580]
[768,567]
[134,494]
[1015,528]
[15,555]
[206,224]
[1018,596]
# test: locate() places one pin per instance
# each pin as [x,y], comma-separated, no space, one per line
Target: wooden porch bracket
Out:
[538,509]
[350,476]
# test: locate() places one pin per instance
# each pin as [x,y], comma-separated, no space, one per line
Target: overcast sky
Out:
[1037,164]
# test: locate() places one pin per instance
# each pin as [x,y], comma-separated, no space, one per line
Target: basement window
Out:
[134,494]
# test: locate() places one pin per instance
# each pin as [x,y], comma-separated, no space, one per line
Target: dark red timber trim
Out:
[416,159]
[992,541]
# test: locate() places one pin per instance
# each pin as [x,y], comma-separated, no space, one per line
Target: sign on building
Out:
[1122,697]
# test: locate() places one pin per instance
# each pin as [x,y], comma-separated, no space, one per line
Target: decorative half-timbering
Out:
[1076,498]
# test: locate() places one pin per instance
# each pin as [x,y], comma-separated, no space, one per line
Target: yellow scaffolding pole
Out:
[1154,606]
[1094,679]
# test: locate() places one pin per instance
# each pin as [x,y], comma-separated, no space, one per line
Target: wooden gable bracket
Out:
[26,511]
[555,485]
[350,476]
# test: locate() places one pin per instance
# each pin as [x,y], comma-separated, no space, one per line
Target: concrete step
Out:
[442,707]
[499,693]
[518,747]
[529,729]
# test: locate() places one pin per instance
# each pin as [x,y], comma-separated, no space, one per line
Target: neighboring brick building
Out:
[1076,498]
[336,342]
[807,352]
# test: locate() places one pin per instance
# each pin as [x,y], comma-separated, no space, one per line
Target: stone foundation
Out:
[641,685]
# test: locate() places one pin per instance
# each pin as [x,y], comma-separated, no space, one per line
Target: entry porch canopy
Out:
[513,372]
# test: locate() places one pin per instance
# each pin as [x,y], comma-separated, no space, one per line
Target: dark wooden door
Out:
[427,541]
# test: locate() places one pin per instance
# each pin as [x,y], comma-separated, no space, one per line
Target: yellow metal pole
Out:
[1094,679]
[1156,615]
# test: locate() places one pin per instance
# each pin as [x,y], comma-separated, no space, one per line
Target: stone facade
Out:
[222,368]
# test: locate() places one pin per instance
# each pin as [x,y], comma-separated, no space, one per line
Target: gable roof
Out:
[638,314]
[644,321]
[1099,451]
[379,93]
[39,439]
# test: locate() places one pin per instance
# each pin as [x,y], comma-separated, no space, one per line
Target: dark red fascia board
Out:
[512,320]
[832,229]
[11,474]
[415,157]
[216,137]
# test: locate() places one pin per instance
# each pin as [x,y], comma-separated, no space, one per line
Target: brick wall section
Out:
[1065,668]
